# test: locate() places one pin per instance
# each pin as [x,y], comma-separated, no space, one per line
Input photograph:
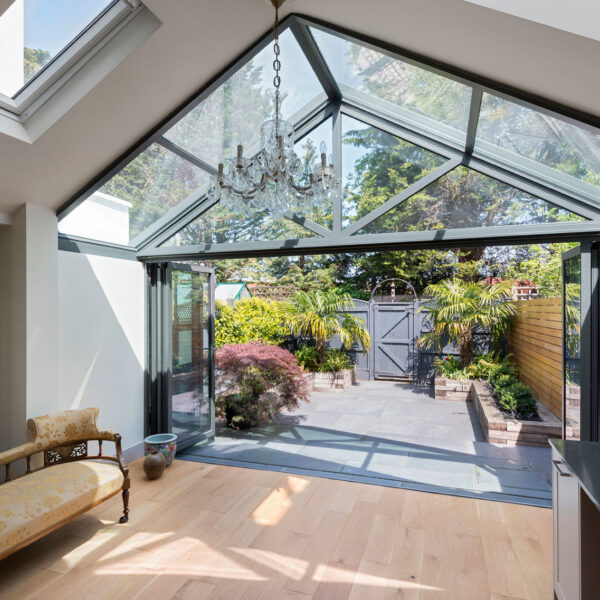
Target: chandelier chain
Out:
[275,180]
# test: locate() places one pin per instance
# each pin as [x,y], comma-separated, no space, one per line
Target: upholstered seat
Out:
[32,505]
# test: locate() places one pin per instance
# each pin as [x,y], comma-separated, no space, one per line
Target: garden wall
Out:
[535,340]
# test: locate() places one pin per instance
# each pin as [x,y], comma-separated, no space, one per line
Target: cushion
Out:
[63,427]
[35,503]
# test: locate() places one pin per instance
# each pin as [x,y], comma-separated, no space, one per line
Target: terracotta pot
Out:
[154,464]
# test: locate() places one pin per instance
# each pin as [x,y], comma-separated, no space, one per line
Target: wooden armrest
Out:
[107,434]
[17,453]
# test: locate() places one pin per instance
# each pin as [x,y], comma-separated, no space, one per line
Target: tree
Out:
[456,307]
[35,60]
[321,315]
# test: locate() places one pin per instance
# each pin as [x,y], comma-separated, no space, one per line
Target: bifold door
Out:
[182,386]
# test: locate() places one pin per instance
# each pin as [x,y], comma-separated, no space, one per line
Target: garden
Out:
[272,354]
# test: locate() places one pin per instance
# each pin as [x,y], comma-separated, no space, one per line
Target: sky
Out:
[51,24]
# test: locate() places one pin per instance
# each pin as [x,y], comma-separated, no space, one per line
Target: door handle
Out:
[560,472]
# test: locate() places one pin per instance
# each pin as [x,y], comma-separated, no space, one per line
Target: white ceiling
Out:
[581,17]
[199,37]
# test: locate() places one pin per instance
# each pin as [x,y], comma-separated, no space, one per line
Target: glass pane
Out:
[572,300]
[219,226]
[422,99]
[535,143]
[466,198]
[33,32]
[153,183]
[234,113]
[376,166]
[308,149]
[191,404]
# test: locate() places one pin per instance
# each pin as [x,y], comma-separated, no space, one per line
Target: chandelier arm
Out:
[277,165]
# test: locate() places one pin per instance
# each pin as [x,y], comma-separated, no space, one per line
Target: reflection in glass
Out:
[572,300]
[466,198]
[376,166]
[34,32]
[190,380]
[535,142]
[218,225]
[421,98]
[156,181]
[308,149]
[234,113]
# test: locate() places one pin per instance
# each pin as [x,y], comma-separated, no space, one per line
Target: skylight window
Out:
[33,33]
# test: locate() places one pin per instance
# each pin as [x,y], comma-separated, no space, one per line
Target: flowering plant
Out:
[256,381]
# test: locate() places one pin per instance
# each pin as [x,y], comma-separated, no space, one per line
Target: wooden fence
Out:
[535,340]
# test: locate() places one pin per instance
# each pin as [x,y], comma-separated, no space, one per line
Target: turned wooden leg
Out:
[125,516]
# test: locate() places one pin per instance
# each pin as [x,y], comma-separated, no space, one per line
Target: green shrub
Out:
[307,358]
[504,381]
[504,368]
[448,367]
[335,360]
[517,400]
[482,367]
[251,320]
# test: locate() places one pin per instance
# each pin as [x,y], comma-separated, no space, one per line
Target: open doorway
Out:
[405,429]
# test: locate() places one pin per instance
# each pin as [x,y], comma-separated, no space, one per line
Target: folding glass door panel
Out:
[572,344]
[581,347]
[190,396]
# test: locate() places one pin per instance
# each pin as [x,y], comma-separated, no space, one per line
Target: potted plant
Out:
[455,308]
[321,315]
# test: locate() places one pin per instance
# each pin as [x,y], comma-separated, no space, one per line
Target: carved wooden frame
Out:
[71,452]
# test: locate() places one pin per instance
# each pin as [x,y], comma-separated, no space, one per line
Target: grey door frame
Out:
[159,349]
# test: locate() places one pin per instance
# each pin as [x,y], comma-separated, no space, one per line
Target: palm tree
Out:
[321,315]
[458,306]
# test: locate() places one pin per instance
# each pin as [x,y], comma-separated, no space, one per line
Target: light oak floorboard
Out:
[215,532]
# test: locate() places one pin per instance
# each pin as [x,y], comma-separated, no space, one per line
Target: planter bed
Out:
[331,382]
[452,389]
[499,428]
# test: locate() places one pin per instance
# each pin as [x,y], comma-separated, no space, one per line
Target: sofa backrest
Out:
[64,427]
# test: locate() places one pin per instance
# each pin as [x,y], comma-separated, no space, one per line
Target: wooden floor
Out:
[205,531]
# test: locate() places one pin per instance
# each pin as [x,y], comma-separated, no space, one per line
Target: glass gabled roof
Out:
[398,131]
[234,113]
[420,98]
[464,199]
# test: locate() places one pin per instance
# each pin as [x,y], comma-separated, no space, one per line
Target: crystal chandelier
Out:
[274,178]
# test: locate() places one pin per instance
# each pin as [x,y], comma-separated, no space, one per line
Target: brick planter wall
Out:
[452,389]
[331,382]
[501,429]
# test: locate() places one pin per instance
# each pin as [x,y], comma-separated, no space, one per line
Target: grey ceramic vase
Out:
[154,464]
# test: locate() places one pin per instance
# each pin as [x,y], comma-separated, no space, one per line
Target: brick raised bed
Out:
[501,429]
[331,382]
[452,389]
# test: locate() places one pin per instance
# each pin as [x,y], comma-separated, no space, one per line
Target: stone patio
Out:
[392,434]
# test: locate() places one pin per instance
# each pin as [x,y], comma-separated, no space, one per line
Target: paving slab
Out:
[388,433]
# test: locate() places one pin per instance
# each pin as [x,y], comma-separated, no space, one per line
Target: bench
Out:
[66,484]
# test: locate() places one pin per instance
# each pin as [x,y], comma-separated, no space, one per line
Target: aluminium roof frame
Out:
[147,246]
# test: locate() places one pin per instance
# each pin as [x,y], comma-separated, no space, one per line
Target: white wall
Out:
[101,342]
[71,331]
[28,320]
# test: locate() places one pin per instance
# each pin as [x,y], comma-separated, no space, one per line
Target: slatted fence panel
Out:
[535,340]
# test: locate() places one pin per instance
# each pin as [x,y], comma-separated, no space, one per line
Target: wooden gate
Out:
[393,338]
